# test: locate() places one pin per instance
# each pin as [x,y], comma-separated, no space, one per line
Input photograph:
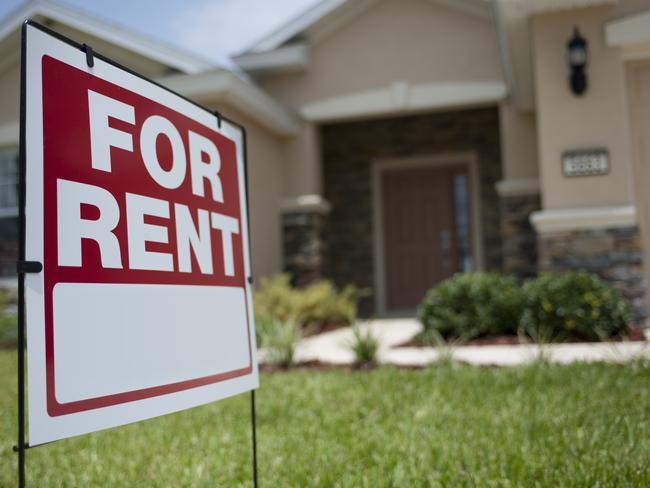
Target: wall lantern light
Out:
[577,57]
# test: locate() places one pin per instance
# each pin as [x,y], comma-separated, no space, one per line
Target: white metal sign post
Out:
[134,268]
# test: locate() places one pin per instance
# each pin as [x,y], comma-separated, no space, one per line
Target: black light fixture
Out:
[577,57]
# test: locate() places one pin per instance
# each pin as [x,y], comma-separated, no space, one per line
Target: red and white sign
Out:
[136,206]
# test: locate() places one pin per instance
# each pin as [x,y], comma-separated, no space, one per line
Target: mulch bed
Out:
[312,331]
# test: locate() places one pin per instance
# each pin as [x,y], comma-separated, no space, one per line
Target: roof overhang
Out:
[116,35]
[225,86]
[290,58]
[403,98]
[632,34]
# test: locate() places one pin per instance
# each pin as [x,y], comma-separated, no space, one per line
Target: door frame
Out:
[468,159]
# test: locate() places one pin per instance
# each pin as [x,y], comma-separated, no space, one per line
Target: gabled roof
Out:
[160,52]
[328,15]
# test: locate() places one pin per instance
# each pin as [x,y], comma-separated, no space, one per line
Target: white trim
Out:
[633,29]
[124,38]
[295,26]
[337,20]
[565,220]
[518,187]
[403,97]
[291,58]
[306,203]
[245,96]
[9,134]
[465,158]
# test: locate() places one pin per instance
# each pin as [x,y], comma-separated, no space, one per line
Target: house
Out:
[393,143]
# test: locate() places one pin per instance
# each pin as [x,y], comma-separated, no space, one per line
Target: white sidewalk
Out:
[334,348]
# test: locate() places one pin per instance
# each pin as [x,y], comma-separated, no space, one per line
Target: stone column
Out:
[518,199]
[304,220]
[605,241]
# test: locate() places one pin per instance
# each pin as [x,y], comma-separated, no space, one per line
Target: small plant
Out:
[311,307]
[364,346]
[540,336]
[471,305]
[576,305]
[445,348]
[279,340]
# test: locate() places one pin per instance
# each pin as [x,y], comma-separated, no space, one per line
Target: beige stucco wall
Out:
[518,144]
[303,170]
[597,119]
[10,95]
[395,40]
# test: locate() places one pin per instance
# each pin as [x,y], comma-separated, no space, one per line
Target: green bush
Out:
[314,306]
[279,340]
[575,305]
[470,305]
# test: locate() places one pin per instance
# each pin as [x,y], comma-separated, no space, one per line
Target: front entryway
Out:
[354,156]
[425,228]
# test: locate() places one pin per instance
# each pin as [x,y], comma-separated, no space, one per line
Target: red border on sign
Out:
[64,101]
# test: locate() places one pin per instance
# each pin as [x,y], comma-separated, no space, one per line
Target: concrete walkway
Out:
[334,348]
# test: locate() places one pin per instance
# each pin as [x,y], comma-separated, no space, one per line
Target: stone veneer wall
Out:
[303,237]
[519,239]
[614,254]
[348,151]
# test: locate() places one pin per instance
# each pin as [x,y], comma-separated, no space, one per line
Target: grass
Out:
[546,426]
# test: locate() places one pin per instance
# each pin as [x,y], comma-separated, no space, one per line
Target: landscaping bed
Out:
[493,308]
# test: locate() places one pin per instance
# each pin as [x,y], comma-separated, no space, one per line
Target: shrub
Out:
[279,340]
[575,305]
[315,305]
[364,346]
[470,305]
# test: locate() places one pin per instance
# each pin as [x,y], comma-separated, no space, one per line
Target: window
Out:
[463,224]
[8,182]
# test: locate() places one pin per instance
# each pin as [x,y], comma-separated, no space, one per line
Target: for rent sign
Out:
[136,206]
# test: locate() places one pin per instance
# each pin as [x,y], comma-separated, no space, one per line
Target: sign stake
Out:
[21,272]
[254,434]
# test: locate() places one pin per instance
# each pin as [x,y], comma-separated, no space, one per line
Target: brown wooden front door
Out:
[421,245]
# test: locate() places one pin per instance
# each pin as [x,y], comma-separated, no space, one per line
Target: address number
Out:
[590,162]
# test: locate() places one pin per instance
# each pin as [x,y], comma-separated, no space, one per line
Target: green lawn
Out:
[555,426]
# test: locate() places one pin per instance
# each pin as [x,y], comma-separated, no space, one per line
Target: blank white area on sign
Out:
[115,338]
